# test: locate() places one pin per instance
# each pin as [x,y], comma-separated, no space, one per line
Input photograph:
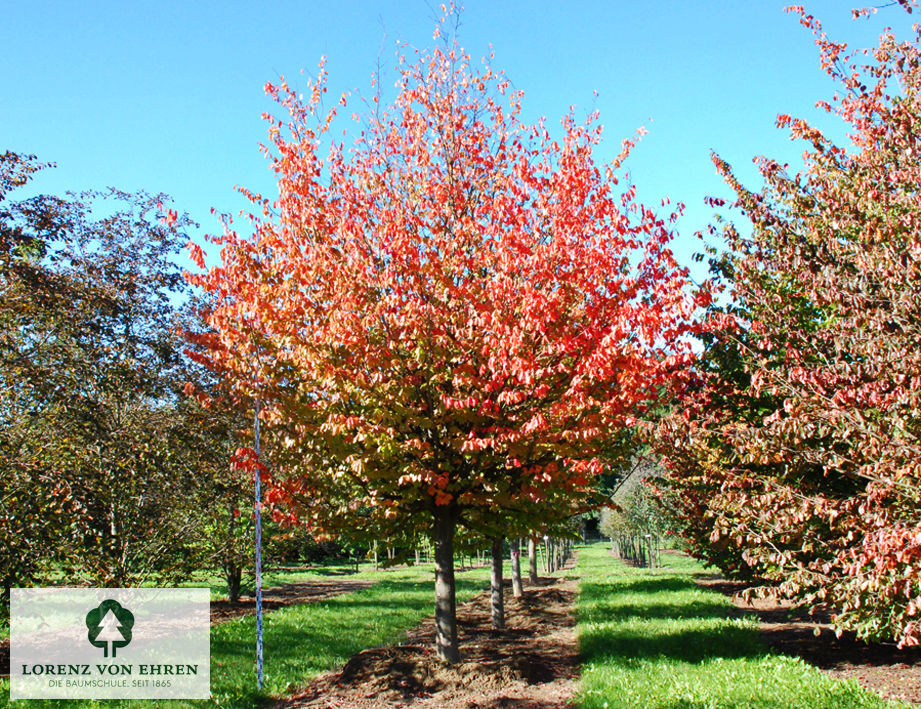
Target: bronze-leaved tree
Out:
[105,467]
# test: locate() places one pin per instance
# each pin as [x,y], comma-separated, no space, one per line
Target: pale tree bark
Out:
[516,567]
[496,605]
[532,561]
[445,600]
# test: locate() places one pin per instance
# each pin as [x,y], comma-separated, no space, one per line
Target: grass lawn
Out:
[270,579]
[650,638]
[304,640]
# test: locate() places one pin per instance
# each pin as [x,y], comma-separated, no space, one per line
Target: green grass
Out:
[273,578]
[308,639]
[651,638]
[304,640]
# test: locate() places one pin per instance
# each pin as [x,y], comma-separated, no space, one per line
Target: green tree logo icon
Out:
[109,626]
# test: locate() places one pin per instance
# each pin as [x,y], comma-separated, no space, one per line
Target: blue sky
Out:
[167,96]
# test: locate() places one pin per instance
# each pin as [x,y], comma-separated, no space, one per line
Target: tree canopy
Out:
[447,319]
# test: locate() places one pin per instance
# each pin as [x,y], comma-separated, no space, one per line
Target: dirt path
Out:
[881,668]
[531,664]
[286,595]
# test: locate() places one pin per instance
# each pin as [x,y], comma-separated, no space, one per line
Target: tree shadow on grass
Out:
[605,602]
[690,628]
[609,612]
[628,644]
[643,585]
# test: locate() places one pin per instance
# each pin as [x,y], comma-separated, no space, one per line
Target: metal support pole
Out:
[258,510]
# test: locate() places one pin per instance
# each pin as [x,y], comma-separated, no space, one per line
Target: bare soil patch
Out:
[285,595]
[880,667]
[532,663]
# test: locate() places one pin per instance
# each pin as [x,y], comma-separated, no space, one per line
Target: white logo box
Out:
[110,643]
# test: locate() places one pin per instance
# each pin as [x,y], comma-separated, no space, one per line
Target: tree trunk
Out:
[532,561]
[516,568]
[233,570]
[496,605]
[234,575]
[445,600]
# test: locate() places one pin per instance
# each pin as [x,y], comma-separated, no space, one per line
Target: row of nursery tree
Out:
[793,454]
[790,453]
[457,328]
[638,521]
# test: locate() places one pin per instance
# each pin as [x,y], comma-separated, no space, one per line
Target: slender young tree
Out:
[532,561]
[516,567]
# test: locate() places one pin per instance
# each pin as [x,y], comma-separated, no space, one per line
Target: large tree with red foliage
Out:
[797,456]
[447,319]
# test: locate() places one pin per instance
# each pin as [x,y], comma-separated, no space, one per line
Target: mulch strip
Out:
[880,667]
[532,663]
[286,595]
